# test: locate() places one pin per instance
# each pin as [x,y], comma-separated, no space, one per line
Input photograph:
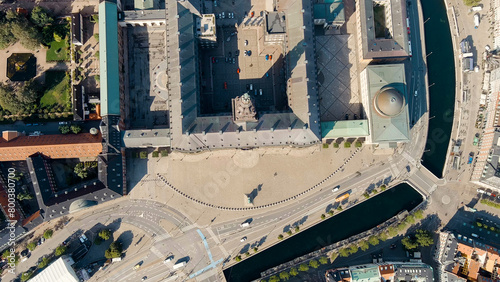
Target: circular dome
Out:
[389,102]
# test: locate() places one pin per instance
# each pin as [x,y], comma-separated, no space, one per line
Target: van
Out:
[168,259]
[251,86]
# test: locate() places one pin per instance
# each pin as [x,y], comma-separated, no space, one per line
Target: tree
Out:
[48,234]
[419,214]
[28,35]
[114,250]
[97,78]
[237,258]
[374,191]
[383,236]
[347,144]
[24,196]
[331,212]
[95,18]
[344,252]
[424,238]
[26,276]
[353,249]
[57,37]
[64,129]
[284,275]
[96,36]
[392,231]
[364,245]
[75,128]
[373,240]
[314,263]
[409,243]
[81,170]
[323,216]
[31,246]
[303,267]
[410,219]
[323,260]
[105,234]
[274,278]
[383,187]
[339,208]
[366,195]
[60,250]
[6,36]
[294,272]
[45,261]
[289,232]
[280,237]
[297,229]
[40,17]
[358,144]
[472,2]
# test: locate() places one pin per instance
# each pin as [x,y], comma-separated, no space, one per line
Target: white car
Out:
[168,259]
[223,15]
[336,188]
[416,93]
[243,239]
[246,43]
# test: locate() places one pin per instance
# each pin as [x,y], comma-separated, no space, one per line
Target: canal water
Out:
[344,225]
[441,73]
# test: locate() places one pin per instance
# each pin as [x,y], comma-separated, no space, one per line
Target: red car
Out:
[225,85]
[238,70]
[213,60]
[252,14]
[270,57]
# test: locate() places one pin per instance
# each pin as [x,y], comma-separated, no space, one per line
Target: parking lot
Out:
[241,63]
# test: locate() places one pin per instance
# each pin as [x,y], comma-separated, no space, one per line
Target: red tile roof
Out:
[54,146]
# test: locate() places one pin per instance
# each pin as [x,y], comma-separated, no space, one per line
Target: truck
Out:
[179,265]
[476,20]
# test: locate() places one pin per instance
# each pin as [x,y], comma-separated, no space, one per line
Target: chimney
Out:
[10,135]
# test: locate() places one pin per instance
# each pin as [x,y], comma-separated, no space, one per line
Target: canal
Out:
[441,74]
[346,224]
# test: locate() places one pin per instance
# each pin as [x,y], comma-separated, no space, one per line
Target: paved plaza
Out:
[146,50]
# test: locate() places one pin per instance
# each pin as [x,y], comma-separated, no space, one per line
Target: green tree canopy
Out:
[48,234]
[24,196]
[373,240]
[64,129]
[40,16]
[364,245]
[383,236]
[26,276]
[45,261]
[344,252]
[60,250]
[28,35]
[303,267]
[314,263]
[353,249]
[419,214]
[105,234]
[75,128]
[31,246]
[284,275]
[409,243]
[114,250]
[323,260]
[424,238]
[274,278]
[6,36]
[294,271]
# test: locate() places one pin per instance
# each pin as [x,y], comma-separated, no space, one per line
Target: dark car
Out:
[230,54]
[237,53]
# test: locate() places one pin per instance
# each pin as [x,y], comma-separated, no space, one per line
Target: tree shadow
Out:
[126,239]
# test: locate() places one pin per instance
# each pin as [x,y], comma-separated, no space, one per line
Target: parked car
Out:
[336,188]
[225,85]
[267,57]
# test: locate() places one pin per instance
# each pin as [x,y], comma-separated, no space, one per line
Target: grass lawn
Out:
[58,51]
[58,89]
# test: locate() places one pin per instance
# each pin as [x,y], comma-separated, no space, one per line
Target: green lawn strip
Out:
[58,89]
[58,51]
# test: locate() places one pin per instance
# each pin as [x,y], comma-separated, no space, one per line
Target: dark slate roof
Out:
[276,22]
[76,28]
[77,100]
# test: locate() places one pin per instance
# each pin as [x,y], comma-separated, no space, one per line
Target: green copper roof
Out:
[146,4]
[370,274]
[344,128]
[108,59]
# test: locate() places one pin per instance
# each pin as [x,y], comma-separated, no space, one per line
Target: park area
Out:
[58,90]
[59,47]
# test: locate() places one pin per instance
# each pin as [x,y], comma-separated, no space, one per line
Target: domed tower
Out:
[388,102]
